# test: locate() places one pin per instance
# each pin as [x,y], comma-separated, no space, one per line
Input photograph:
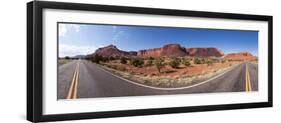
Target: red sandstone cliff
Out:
[240,56]
[169,50]
[112,50]
[204,52]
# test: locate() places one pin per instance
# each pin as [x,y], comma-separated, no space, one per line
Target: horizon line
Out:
[225,53]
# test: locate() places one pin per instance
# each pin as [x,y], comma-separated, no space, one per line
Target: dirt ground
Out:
[168,71]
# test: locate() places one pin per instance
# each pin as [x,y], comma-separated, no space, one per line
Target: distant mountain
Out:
[112,50]
[240,56]
[79,56]
[169,50]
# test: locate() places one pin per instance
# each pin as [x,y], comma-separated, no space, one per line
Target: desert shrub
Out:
[137,62]
[112,58]
[149,62]
[104,59]
[209,62]
[123,60]
[174,63]
[66,57]
[112,66]
[215,60]
[107,65]
[223,61]
[121,68]
[204,60]
[186,62]
[117,57]
[63,61]
[151,58]
[97,59]
[197,61]
[159,63]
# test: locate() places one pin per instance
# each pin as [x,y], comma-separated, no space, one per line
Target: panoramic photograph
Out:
[103,60]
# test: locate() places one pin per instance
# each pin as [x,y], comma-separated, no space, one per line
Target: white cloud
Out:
[64,28]
[101,46]
[76,27]
[117,35]
[114,28]
[73,50]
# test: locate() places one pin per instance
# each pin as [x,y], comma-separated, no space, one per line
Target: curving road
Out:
[83,79]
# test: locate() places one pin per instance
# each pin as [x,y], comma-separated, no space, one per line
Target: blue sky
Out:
[81,39]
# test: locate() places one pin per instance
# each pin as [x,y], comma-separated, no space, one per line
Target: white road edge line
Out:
[170,89]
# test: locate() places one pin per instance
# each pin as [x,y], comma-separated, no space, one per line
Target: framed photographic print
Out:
[94,61]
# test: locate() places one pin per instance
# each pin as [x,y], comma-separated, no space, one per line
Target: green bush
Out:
[197,61]
[204,61]
[174,63]
[159,63]
[149,62]
[121,68]
[111,66]
[104,59]
[123,60]
[112,58]
[186,62]
[137,62]
[151,58]
[209,62]
[97,59]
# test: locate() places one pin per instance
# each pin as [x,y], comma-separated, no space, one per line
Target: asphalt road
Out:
[83,79]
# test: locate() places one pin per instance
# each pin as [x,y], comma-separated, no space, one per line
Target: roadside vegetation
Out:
[64,60]
[164,71]
[158,63]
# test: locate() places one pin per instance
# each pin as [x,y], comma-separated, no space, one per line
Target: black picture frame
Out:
[35,69]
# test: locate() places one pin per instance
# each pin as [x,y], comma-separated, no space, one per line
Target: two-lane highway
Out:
[83,79]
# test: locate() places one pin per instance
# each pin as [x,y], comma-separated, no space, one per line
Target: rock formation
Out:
[240,56]
[204,52]
[169,50]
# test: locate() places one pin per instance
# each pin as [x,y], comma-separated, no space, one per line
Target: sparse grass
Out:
[255,61]
[174,63]
[159,64]
[186,63]
[137,62]
[163,81]
[121,68]
[123,60]
[64,61]
[166,72]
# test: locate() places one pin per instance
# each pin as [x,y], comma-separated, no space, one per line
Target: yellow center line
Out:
[246,80]
[249,81]
[72,84]
[72,93]
[248,86]
[76,83]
